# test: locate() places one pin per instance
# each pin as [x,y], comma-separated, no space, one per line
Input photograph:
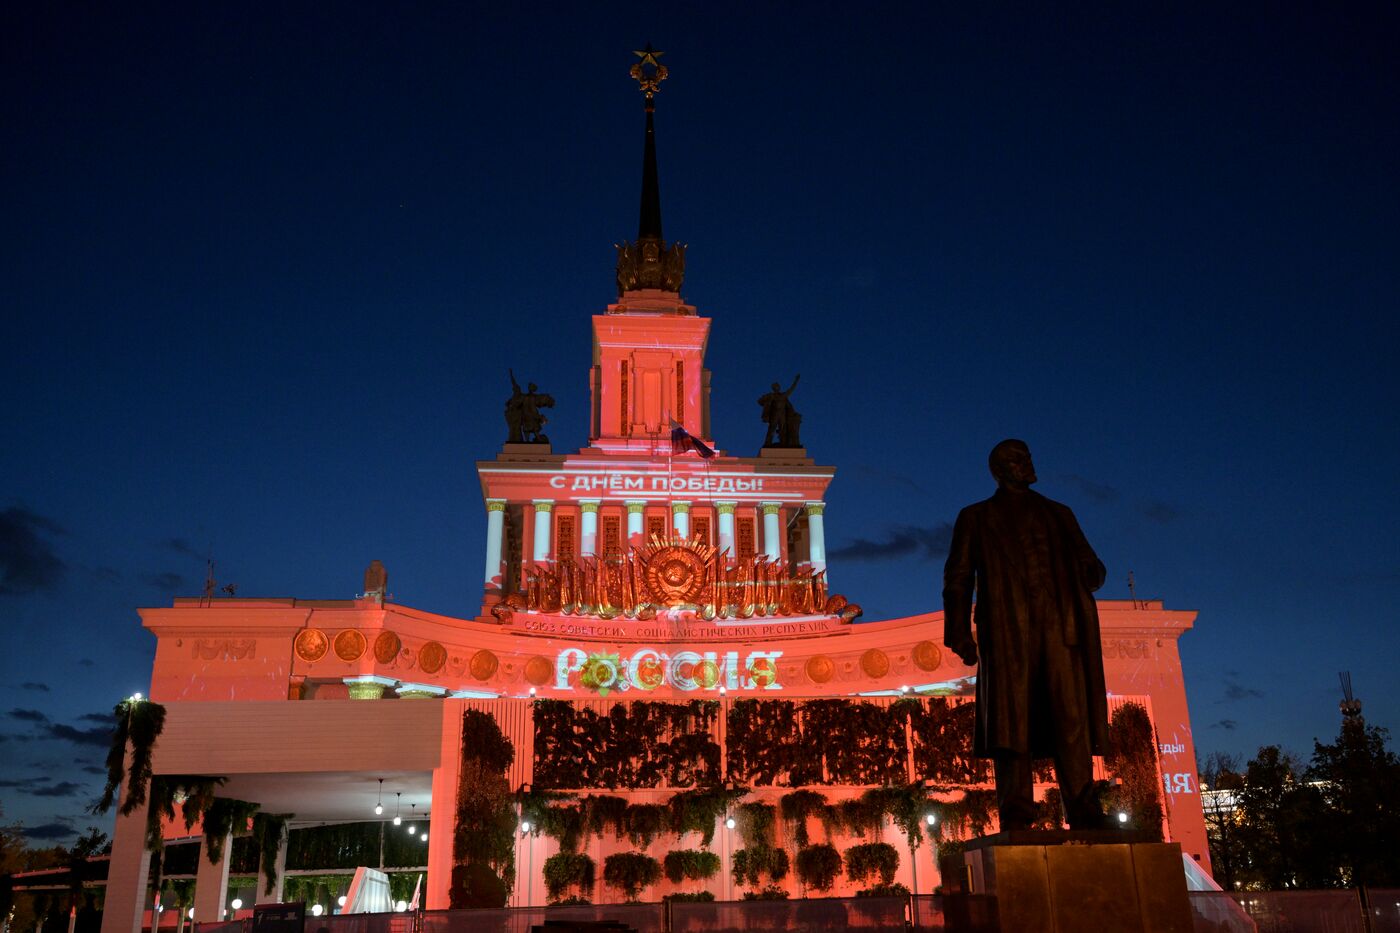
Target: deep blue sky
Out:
[264,267]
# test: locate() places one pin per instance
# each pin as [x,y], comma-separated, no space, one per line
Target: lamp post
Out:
[728,858]
[530,871]
[929,820]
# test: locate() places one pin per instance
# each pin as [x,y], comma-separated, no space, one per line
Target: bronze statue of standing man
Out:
[1040,684]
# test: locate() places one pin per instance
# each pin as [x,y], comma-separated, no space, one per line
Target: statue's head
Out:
[1010,462]
[777,388]
[532,387]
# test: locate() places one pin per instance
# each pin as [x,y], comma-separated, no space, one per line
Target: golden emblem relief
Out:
[927,656]
[483,665]
[311,644]
[875,663]
[820,668]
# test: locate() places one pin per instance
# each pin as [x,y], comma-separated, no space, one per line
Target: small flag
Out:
[682,440]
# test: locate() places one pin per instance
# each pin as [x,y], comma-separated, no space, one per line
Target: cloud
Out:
[166,582]
[28,563]
[105,718]
[93,769]
[100,735]
[1236,691]
[86,662]
[1160,512]
[27,715]
[1227,724]
[181,546]
[61,789]
[886,476]
[20,784]
[901,541]
[1096,491]
[49,831]
[32,685]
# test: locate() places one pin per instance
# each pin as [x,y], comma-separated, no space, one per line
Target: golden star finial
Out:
[649,72]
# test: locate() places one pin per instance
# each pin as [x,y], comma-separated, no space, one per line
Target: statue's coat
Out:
[985,557]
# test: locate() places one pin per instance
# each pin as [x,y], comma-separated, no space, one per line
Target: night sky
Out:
[264,267]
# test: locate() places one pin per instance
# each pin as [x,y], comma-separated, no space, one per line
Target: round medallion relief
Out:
[431,657]
[538,670]
[484,664]
[927,656]
[875,663]
[311,644]
[820,668]
[386,647]
[349,645]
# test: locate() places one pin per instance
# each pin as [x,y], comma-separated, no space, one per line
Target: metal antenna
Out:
[1132,590]
[1350,705]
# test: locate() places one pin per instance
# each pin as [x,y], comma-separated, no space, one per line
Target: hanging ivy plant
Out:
[164,790]
[632,745]
[690,864]
[138,722]
[699,811]
[646,821]
[225,817]
[750,866]
[606,811]
[818,866]
[630,872]
[568,870]
[942,729]
[754,822]
[269,832]
[483,844]
[870,860]
[796,807]
[856,816]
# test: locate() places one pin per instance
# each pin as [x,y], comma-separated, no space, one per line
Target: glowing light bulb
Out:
[425,835]
[401,906]
[524,826]
[1122,817]
[340,901]
[190,913]
[379,809]
[316,910]
[236,903]
[930,819]
[398,820]
[412,829]
[729,823]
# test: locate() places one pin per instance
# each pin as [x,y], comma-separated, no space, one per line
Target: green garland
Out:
[818,866]
[894,889]
[198,793]
[700,810]
[645,822]
[691,864]
[754,822]
[871,859]
[139,722]
[568,870]
[630,872]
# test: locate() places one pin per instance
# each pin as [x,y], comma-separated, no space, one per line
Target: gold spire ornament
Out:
[649,72]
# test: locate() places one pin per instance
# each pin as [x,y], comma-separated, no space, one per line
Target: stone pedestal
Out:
[1066,881]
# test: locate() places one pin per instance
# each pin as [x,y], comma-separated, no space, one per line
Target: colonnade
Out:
[543,512]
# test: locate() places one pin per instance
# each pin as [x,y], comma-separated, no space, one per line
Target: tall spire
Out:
[649,262]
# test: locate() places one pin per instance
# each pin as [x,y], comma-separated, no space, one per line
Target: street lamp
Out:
[379,806]
[236,903]
[397,803]
[1122,817]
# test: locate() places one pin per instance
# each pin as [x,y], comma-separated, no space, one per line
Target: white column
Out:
[680,519]
[588,537]
[816,533]
[495,532]
[634,520]
[127,872]
[772,527]
[211,883]
[543,508]
[726,527]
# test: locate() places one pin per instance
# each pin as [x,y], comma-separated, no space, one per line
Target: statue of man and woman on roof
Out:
[784,423]
[523,416]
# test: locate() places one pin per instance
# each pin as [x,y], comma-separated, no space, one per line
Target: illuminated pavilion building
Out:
[637,569]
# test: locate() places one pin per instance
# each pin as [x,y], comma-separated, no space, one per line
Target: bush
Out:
[884,890]
[796,807]
[690,897]
[630,872]
[748,865]
[818,866]
[770,893]
[693,864]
